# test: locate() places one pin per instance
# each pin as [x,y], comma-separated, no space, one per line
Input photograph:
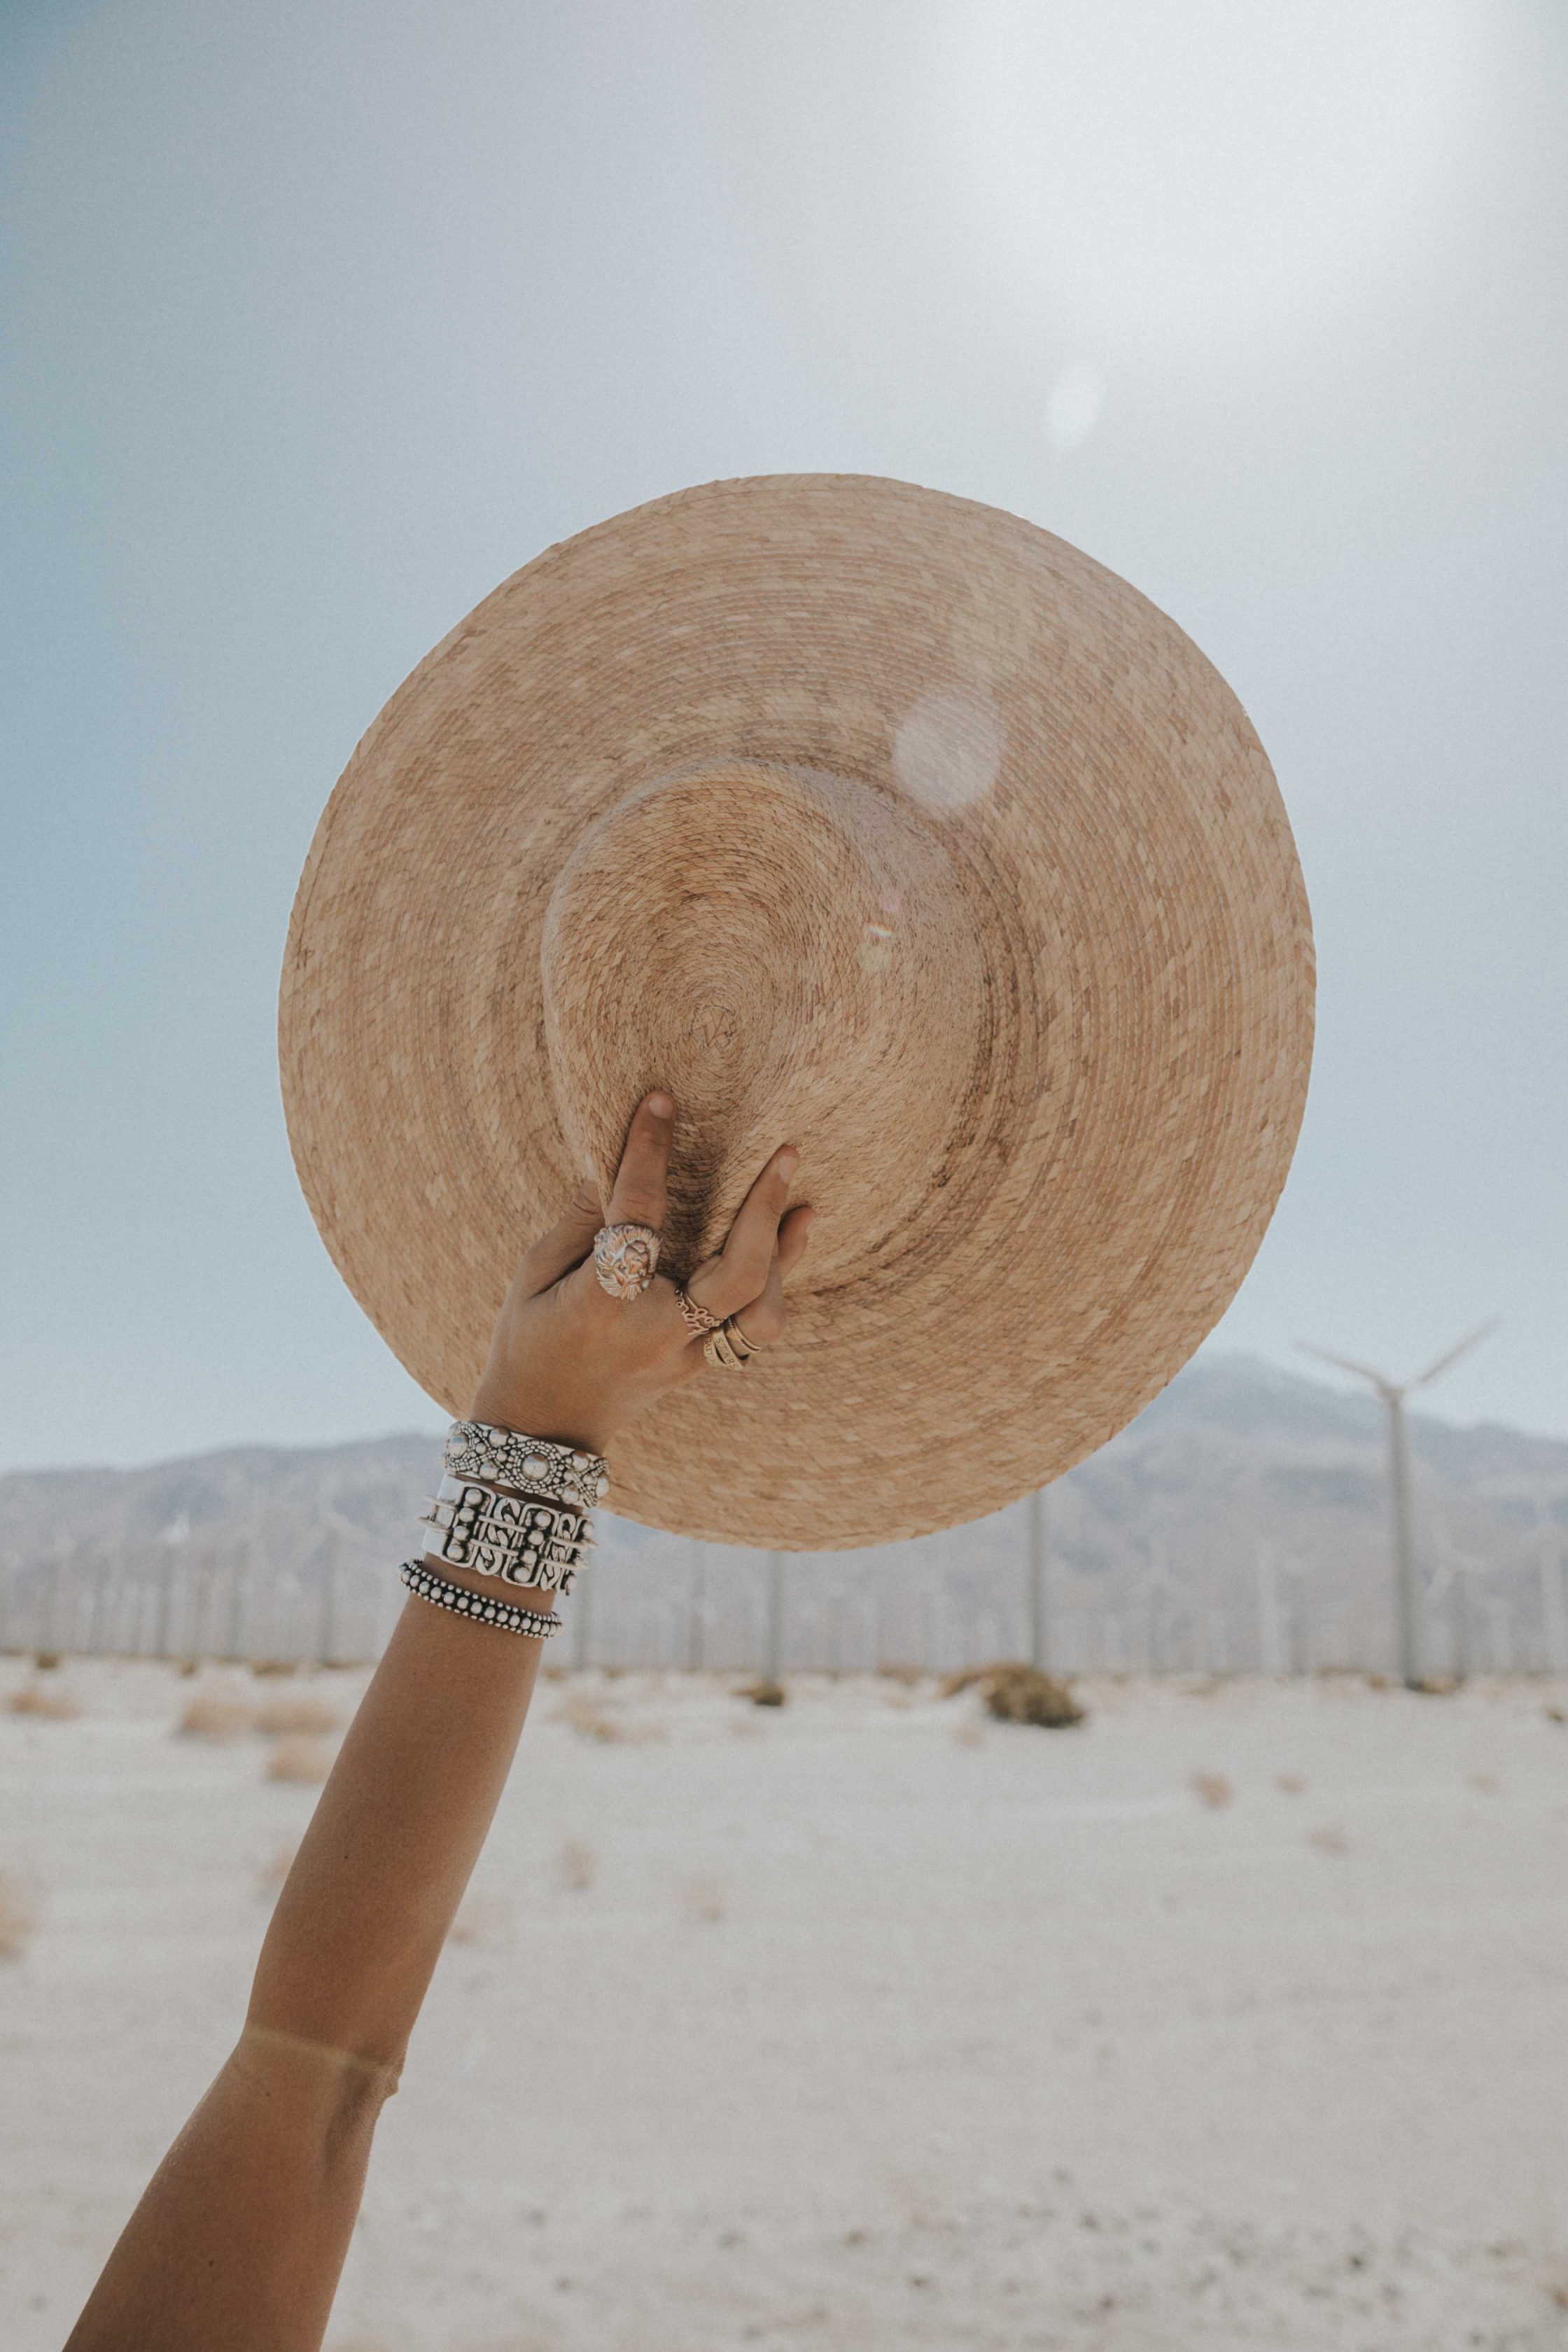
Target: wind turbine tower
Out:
[1406,1584]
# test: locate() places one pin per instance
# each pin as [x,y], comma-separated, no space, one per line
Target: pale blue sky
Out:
[320,319]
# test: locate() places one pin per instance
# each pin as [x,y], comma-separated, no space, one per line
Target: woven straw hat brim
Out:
[860,816]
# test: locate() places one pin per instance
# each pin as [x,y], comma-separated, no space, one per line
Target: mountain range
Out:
[1244,1508]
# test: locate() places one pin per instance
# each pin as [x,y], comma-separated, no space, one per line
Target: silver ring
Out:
[625,1258]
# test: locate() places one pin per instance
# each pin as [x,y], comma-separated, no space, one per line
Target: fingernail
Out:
[661,1105]
[788,1162]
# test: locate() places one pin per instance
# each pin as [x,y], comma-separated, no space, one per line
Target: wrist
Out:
[505,1409]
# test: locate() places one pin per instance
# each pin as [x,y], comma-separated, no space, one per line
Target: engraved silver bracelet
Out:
[511,1536]
[535,1465]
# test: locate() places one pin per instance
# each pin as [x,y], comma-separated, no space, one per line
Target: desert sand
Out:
[1235,2016]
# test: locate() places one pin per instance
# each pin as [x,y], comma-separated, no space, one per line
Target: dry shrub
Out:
[594,1722]
[702,1900]
[277,1716]
[270,1877]
[765,1692]
[1555,1713]
[1331,1840]
[967,1677]
[19,1912]
[274,1667]
[46,1661]
[211,1715]
[482,1919]
[905,1674]
[576,1866]
[588,1718]
[1290,1784]
[1018,1694]
[1211,1789]
[51,1706]
[301,1756]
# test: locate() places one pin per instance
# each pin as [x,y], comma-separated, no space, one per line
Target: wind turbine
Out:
[1394,1393]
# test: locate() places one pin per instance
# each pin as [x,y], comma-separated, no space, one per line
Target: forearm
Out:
[239,2240]
[367,1906]
[241,2235]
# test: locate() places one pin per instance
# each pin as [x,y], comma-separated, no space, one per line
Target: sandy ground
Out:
[874,2023]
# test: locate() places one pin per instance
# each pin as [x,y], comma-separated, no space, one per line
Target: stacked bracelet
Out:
[510,1536]
[462,1601]
[535,1466]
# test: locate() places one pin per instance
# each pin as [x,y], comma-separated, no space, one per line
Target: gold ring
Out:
[696,1318]
[728,1348]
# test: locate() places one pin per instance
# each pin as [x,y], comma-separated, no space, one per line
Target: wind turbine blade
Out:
[1481,1331]
[1380,1381]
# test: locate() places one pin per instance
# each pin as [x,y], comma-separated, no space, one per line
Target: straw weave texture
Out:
[860,816]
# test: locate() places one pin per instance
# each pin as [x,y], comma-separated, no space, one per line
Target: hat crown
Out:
[786,951]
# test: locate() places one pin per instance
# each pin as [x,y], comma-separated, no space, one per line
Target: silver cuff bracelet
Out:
[537,1465]
[510,1536]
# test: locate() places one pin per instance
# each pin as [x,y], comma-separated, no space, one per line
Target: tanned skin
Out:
[238,2241]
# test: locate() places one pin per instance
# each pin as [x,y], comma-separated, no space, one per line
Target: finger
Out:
[763,1321]
[793,1235]
[740,1273]
[567,1242]
[640,1195]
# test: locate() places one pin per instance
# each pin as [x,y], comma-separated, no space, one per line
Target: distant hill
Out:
[1241,1487]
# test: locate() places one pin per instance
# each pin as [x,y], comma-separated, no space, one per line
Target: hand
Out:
[567,1361]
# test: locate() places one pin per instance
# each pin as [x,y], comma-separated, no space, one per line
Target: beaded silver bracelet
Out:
[537,1465]
[482,1607]
[510,1536]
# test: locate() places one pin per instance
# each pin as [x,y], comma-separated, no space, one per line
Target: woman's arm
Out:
[240,2237]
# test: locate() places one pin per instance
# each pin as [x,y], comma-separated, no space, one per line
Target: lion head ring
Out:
[625,1258]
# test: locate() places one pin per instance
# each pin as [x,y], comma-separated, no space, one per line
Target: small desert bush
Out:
[274,1667]
[589,1719]
[1015,1692]
[211,1715]
[702,1899]
[1331,1840]
[594,1722]
[301,1756]
[19,1909]
[483,1919]
[765,1692]
[37,1699]
[1213,1789]
[1290,1784]
[278,1716]
[576,1866]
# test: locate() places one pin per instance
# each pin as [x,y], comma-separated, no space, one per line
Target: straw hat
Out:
[859,816]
